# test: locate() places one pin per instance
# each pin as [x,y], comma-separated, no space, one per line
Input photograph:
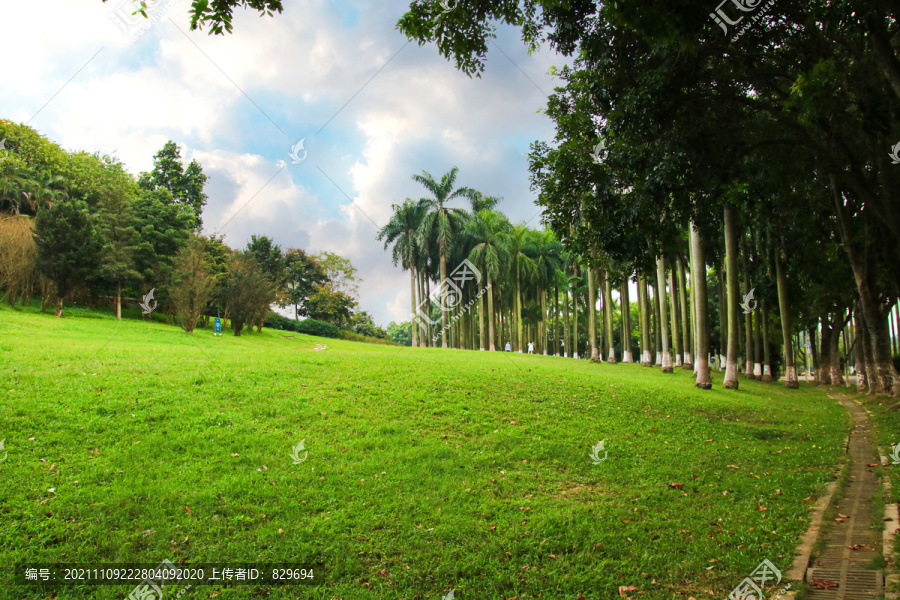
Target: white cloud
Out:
[214,95]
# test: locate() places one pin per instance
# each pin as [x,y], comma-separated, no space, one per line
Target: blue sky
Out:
[238,103]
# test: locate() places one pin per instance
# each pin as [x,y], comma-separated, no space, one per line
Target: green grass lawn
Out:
[427,470]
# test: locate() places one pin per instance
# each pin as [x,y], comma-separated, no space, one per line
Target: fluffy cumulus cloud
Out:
[370,108]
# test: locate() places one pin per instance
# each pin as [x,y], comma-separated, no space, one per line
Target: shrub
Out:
[358,337]
[276,321]
[319,328]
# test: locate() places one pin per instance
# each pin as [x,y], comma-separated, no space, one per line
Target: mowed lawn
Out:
[427,470]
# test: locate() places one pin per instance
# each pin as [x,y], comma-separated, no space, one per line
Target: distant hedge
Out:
[309,326]
[320,328]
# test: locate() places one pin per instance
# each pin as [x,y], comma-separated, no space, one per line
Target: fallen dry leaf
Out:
[862,547]
[823,584]
[733,467]
[626,588]
[188,508]
[761,508]
[676,485]
[843,516]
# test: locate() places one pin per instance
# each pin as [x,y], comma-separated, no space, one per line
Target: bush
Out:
[319,328]
[358,337]
[276,321]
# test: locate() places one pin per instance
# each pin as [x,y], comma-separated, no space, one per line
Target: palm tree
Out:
[547,259]
[489,230]
[402,232]
[521,250]
[440,223]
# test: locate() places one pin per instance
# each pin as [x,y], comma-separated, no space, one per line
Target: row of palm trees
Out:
[523,271]
[23,192]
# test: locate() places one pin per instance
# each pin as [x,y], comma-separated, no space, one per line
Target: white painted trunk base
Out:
[757,370]
[626,357]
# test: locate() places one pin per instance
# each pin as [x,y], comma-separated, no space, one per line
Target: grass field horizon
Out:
[427,470]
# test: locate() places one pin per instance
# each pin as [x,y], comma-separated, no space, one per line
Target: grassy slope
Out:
[442,468]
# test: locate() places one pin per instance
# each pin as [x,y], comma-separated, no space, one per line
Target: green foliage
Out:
[319,328]
[341,274]
[30,151]
[68,245]
[194,282]
[329,305]
[249,291]
[400,333]
[303,275]
[184,184]
[164,228]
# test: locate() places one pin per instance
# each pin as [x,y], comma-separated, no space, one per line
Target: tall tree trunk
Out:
[412,293]
[757,347]
[692,296]
[859,359]
[118,301]
[723,317]
[567,342]
[592,314]
[731,272]
[657,337]
[834,351]
[575,324]
[625,309]
[790,372]
[556,322]
[643,313]
[873,311]
[897,328]
[748,317]
[663,317]
[443,301]
[59,305]
[701,306]
[608,311]
[481,313]
[517,320]
[686,337]
[545,329]
[673,305]
[823,369]
[767,362]
[815,355]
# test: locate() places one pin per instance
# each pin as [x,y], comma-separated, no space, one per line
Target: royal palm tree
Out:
[441,223]
[547,260]
[521,251]
[489,230]
[402,231]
